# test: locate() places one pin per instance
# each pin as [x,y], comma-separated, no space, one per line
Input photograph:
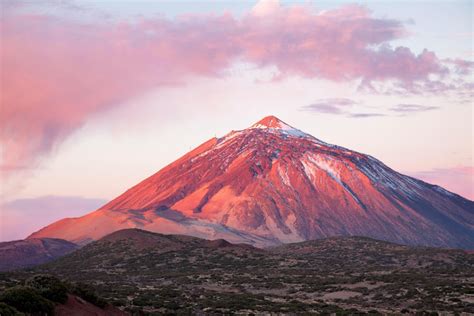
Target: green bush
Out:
[27,300]
[49,287]
[87,293]
[7,310]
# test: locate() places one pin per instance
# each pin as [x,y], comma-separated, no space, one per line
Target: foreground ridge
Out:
[138,270]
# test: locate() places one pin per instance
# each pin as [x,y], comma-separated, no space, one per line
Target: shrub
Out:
[49,287]
[87,293]
[27,300]
[7,310]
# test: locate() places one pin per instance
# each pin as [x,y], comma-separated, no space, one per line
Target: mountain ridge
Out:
[271,184]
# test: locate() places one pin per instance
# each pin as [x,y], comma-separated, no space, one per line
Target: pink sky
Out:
[77,68]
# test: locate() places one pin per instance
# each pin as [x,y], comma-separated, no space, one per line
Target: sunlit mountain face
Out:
[271,184]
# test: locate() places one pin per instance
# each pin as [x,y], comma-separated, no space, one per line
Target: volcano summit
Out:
[271,184]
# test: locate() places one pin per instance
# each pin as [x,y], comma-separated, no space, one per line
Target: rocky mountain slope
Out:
[271,184]
[30,252]
[140,271]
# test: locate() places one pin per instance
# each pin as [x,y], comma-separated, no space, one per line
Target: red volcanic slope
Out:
[271,184]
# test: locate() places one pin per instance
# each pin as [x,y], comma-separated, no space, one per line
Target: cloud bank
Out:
[62,71]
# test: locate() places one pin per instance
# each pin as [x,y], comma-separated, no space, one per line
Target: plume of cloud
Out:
[59,72]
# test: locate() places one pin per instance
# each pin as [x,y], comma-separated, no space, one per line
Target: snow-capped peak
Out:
[272,183]
[272,123]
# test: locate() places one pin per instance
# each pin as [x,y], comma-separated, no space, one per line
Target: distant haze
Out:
[19,218]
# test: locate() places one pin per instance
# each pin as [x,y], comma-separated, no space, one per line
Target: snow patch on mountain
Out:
[227,138]
[325,164]
[284,176]
[329,165]
[274,125]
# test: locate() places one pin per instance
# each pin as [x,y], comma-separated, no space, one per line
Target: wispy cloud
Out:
[339,106]
[354,109]
[412,108]
[63,71]
[330,106]
[364,115]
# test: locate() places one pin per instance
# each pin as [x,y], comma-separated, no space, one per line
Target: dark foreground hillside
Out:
[142,271]
[46,295]
[31,252]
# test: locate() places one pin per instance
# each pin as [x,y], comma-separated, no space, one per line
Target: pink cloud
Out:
[462,66]
[58,72]
[336,45]
[459,179]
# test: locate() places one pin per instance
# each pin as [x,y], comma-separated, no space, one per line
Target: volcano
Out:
[271,184]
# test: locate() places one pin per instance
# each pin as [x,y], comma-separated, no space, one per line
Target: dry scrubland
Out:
[143,272]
